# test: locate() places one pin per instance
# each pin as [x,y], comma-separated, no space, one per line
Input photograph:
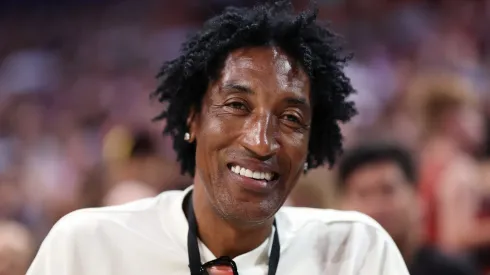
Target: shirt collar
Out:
[256,257]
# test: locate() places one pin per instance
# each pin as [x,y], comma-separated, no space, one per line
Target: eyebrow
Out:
[238,88]
[297,101]
[243,88]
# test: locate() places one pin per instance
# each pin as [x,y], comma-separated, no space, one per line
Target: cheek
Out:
[296,154]
[296,147]
[219,133]
[400,206]
[213,134]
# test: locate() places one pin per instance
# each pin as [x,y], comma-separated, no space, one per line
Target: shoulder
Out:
[342,237]
[88,222]
[94,236]
[334,227]
[300,217]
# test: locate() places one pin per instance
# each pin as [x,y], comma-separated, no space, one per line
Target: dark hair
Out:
[375,152]
[143,145]
[184,80]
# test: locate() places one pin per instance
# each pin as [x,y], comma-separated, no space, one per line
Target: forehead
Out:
[266,66]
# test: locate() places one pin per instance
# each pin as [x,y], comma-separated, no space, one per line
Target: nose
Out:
[259,135]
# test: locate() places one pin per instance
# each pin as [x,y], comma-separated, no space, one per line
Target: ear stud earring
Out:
[187,136]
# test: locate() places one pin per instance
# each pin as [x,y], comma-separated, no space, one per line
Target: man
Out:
[379,179]
[132,156]
[253,101]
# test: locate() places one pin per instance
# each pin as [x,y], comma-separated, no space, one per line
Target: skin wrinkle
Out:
[257,134]
[256,110]
[247,63]
[261,135]
[317,50]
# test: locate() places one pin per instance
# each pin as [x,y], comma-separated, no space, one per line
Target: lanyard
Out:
[193,250]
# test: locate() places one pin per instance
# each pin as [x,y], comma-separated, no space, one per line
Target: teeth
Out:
[251,174]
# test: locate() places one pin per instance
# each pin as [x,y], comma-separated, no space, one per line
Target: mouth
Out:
[254,179]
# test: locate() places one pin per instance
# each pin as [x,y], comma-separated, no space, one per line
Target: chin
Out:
[242,201]
[247,212]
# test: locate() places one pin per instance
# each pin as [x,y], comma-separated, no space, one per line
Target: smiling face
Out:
[252,134]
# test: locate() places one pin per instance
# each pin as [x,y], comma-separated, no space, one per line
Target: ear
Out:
[192,124]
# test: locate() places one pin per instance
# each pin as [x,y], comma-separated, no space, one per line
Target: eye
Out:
[237,105]
[292,118]
[293,121]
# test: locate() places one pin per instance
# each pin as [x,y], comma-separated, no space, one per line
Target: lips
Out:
[258,175]
[254,176]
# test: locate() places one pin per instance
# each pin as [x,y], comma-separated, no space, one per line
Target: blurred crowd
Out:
[76,129]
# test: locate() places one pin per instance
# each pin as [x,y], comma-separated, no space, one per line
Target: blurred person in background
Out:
[379,179]
[316,189]
[12,198]
[132,155]
[17,248]
[139,174]
[39,162]
[450,180]
[126,192]
[132,168]
[129,170]
[135,158]
[93,187]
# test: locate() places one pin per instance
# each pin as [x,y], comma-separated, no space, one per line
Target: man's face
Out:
[252,133]
[381,191]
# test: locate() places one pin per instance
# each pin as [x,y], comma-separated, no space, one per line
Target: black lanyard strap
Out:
[195,265]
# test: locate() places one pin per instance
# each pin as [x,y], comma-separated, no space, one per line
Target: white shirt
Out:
[149,237]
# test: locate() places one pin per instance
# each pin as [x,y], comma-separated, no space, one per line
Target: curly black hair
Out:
[184,80]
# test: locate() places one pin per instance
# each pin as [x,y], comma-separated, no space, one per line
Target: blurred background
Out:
[75,114]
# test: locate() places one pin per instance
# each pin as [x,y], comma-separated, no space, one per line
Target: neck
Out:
[408,246]
[222,237]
